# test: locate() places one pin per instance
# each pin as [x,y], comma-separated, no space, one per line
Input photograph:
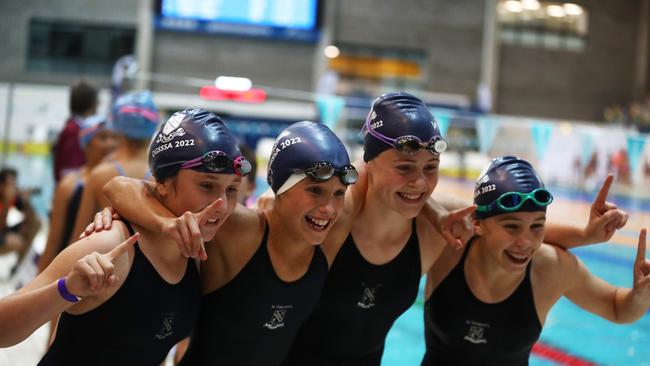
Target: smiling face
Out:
[310,208]
[403,182]
[192,191]
[511,239]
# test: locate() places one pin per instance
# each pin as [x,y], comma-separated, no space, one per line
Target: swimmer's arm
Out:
[134,200]
[604,219]
[57,222]
[616,304]
[87,273]
[23,312]
[88,205]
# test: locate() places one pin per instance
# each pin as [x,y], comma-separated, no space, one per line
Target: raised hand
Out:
[186,229]
[604,217]
[642,272]
[93,273]
[456,226]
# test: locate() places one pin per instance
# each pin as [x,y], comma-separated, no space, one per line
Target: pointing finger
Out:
[119,250]
[640,253]
[601,197]
[210,211]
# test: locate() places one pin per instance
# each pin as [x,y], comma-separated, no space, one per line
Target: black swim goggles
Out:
[410,144]
[322,171]
[218,161]
[512,201]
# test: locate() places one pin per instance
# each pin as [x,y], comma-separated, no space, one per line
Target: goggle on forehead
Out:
[512,201]
[218,161]
[322,171]
[410,144]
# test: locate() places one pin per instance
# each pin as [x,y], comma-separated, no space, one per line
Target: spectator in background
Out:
[16,237]
[135,119]
[68,155]
[246,195]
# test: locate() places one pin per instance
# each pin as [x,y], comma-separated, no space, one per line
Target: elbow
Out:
[111,186]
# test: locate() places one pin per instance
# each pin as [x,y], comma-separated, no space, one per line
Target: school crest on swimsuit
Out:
[476,333]
[167,327]
[278,317]
[368,296]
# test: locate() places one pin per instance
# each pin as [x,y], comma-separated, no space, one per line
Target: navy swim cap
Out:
[506,174]
[187,135]
[135,115]
[299,147]
[395,115]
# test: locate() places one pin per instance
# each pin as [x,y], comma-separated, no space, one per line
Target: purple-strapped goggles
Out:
[218,161]
[409,144]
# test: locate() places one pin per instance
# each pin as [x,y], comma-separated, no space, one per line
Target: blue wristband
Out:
[63,291]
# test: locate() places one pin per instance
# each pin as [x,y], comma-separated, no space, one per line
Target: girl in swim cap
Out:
[264,271]
[129,303]
[488,303]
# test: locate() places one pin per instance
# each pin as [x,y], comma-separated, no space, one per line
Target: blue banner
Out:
[541,136]
[635,145]
[487,129]
[330,108]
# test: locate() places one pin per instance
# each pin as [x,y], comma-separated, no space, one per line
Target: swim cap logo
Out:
[163,138]
[173,123]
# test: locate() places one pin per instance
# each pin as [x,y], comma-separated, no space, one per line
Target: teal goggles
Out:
[512,201]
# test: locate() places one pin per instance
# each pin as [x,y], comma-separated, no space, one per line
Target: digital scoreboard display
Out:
[285,19]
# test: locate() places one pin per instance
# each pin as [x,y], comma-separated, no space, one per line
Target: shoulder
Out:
[552,261]
[101,174]
[67,185]
[242,225]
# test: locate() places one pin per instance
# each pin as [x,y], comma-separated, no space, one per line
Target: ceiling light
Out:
[513,6]
[556,11]
[572,9]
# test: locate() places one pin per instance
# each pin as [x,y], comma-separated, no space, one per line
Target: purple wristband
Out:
[63,291]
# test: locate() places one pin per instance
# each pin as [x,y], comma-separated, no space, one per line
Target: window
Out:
[549,25]
[63,46]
